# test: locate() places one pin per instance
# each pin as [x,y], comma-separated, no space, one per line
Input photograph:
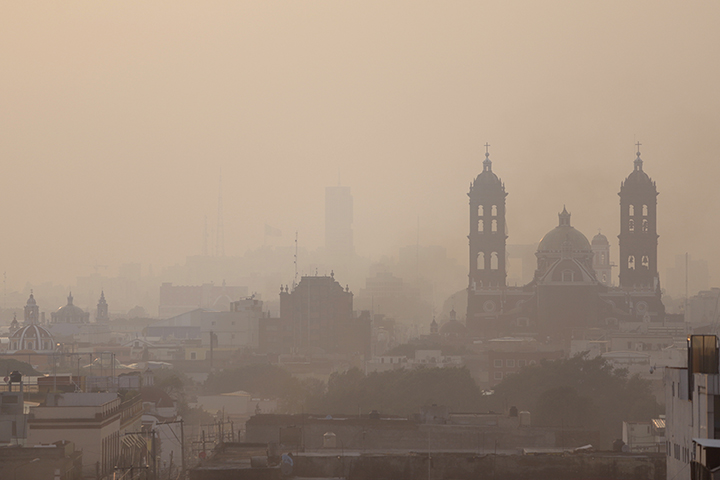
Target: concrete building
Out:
[692,412]
[102,425]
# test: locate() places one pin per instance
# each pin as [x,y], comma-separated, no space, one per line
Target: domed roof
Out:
[600,239]
[69,313]
[638,176]
[487,176]
[31,332]
[31,300]
[564,232]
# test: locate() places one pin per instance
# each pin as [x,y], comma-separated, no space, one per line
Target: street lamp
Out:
[34,460]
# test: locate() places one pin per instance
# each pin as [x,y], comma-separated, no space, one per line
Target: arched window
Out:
[494,261]
[631,210]
[645,226]
[494,226]
[481,211]
[494,211]
[631,225]
[604,278]
[631,262]
[645,261]
[602,258]
[481,225]
[567,276]
[481,261]
[645,211]
[29,345]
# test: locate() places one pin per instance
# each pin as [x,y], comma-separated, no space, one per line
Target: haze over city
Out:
[118,118]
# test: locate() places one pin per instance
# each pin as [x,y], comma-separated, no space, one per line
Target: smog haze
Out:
[118,119]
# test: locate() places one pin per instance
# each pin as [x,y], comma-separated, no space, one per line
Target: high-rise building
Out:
[339,220]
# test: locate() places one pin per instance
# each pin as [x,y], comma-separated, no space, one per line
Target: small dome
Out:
[553,240]
[600,239]
[70,313]
[31,300]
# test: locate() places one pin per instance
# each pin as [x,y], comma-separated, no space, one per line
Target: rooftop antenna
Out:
[295,260]
[220,231]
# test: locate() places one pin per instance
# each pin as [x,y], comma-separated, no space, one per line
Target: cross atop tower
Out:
[638,147]
[487,163]
[487,145]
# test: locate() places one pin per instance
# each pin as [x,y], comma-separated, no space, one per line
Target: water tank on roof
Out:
[524,418]
[329,440]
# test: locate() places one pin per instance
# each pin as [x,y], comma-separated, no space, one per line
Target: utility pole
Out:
[182,447]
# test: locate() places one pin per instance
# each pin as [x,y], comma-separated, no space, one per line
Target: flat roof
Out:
[707,442]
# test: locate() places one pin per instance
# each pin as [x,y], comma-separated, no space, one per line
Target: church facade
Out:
[572,288]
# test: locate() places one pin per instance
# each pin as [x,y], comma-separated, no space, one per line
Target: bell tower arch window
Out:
[645,262]
[631,225]
[493,211]
[631,210]
[645,226]
[481,261]
[494,225]
[481,211]
[631,262]
[645,210]
[494,261]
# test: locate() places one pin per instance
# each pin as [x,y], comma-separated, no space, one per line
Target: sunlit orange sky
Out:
[116,118]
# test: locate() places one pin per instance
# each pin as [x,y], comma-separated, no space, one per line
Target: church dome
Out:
[31,300]
[31,338]
[553,240]
[600,239]
[70,313]
[638,175]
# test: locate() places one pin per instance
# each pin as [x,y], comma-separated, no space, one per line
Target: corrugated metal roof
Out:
[658,423]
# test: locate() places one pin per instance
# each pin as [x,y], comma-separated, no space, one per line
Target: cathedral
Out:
[571,290]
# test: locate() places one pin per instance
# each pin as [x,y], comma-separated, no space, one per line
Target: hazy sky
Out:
[116,118]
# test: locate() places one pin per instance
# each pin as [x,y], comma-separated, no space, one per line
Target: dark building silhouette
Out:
[638,230]
[32,311]
[102,309]
[316,317]
[571,289]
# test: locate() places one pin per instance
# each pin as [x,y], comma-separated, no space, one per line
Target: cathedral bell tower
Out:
[487,230]
[32,311]
[638,230]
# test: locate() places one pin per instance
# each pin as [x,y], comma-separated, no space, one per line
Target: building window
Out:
[494,226]
[498,375]
[498,363]
[631,262]
[481,211]
[494,211]
[645,211]
[631,210]
[510,363]
[631,225]
[494,261]
[481,261]
[645,261]
[532,362]
[645,226]
[193,355]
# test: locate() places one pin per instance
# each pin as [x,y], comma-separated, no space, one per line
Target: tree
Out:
[578,392]
[398,391]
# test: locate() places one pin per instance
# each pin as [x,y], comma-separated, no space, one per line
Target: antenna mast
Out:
[220,232]
[295,261]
